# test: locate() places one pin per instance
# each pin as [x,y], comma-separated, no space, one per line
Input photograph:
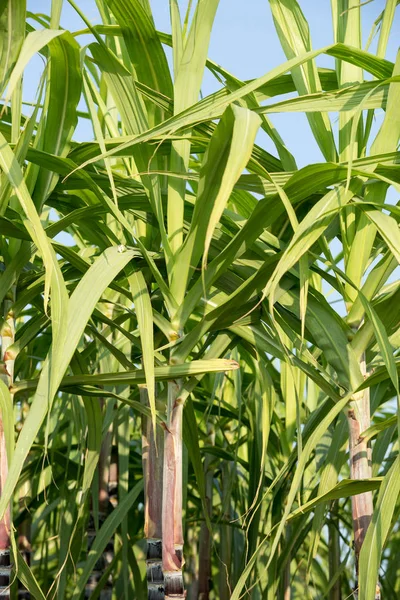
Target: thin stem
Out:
[172,545]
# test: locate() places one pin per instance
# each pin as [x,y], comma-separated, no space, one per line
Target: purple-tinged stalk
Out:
[205,534]
[172,540]
[7,339]
[359,419]
[152,458]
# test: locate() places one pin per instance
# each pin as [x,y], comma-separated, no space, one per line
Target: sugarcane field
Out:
[199,299]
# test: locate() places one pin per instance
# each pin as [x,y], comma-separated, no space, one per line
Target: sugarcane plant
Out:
[199,339]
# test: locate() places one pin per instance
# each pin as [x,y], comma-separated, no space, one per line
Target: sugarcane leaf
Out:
[244,130]
[109,526]
[375,429]
[294,35]
[191,439]
[388,135]
[383,341]
[388,228]
[192,368]
[12,33]
[329,333]
[207,109]
[377,532]
[212,107]
[33,43]
[27,578]
[343,489]
[227,155]
[144,314]
[312,440]
[386,20]
[143,45]
[329,475]
[62,96]
[188,71]
[371,94]
[7,418]
[379,374]
[78,310]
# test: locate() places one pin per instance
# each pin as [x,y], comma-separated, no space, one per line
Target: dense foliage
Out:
[201,287]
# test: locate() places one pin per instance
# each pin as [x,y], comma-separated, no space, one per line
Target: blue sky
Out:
[244,42]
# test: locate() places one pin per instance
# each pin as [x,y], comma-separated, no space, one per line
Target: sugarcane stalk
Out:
[172,540]
[7,339]
[359,419]
[205,535]
[152,459]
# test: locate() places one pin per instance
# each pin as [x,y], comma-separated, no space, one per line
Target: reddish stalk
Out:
[7,338]
[152,459]
[172,541]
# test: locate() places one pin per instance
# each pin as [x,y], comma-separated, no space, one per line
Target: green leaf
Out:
[144,314]
[343,489]
[313,439]
[12,33]
[373,94]
[191,439]
[294,35]
[195,367]
[103,536]
[377,532]
[28,579]
[388,228]
[227,155]
[33,43]
[80,307]
[7,419]
[62,96]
